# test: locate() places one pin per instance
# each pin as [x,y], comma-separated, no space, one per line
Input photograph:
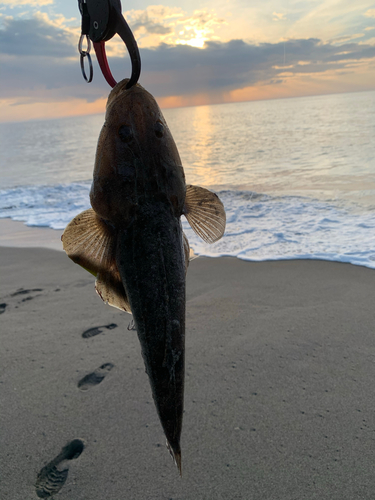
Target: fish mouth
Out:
[150,259]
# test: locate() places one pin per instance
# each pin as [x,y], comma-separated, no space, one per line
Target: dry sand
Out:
[280,381]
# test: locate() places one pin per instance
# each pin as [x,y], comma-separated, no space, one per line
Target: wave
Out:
[45,206]
[259,227]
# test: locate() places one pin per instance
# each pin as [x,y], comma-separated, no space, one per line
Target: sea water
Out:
[296,176]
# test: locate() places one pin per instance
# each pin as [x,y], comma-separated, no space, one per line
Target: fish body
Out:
[154,280]
[132,239]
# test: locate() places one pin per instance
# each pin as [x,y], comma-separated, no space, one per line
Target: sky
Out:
[193,52]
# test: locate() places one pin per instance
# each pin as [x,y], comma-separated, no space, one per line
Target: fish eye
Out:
[126,134]
[159,129]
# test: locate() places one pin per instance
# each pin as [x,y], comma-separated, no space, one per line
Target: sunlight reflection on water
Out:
[320,146]
[296,176]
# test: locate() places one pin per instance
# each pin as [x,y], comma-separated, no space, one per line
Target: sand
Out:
[280,381]
[17,234]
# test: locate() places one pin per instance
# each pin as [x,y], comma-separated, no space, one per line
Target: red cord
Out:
[103,62]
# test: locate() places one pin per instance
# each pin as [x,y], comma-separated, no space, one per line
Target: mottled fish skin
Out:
[139,186]
[137,161]
[154,280]
[132,239]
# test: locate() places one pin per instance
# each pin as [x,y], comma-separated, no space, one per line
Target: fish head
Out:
[137,161]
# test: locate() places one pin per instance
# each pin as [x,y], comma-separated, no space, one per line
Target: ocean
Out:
[296,176]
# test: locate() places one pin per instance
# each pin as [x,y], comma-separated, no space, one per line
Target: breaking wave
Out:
[259,227]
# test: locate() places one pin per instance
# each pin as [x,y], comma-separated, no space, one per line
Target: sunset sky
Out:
[193,52]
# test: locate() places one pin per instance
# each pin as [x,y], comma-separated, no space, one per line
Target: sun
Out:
[197,29]
[173,26]
[193,36]
[193,42]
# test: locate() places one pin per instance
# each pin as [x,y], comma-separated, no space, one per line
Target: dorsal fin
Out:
[205,213]
[91,242]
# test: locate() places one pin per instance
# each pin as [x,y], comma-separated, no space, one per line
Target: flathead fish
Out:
[132,239]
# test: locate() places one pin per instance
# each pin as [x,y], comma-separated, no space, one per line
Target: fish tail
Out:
[176,455]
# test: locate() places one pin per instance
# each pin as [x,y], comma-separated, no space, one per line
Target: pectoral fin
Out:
[205,213]
[90,242]
[109,287]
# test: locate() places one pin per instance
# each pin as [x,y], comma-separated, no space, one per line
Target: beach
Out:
[279,395]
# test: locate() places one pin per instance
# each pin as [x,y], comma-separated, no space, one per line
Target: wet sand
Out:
[280,385]
[17,234]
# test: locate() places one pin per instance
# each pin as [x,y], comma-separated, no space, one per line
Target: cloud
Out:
[40,63]
[159,24]
[156,19]
[35,37]
[31,3]
[235,64]
[348,38]
[149,25]
[370,13]
[278,16]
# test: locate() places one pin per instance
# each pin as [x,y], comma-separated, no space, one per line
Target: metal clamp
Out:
[101,20]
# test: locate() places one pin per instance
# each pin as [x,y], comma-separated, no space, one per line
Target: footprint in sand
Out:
[95,377]
[21,291]
[91,332]
[52,477]
[22,295]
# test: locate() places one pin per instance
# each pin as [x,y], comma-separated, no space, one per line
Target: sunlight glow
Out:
[30,3]
[349,30]
[159,24]
[197,40]
[11,111]
[198,29]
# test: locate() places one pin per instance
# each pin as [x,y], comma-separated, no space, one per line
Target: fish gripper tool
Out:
[101,20]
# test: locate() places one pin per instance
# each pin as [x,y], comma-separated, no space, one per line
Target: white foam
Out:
[45,206]
[259,227]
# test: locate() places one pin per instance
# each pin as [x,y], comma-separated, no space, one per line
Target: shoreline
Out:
[16,234]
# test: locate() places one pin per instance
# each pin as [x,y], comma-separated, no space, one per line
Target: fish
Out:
[132,240]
